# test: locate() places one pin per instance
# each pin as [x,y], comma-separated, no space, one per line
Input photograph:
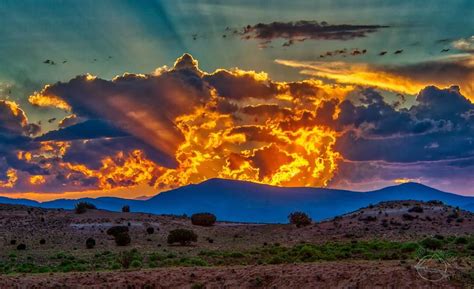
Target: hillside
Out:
[366,245]
[250,202]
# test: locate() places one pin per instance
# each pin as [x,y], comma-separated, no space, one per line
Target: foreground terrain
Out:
[381,245]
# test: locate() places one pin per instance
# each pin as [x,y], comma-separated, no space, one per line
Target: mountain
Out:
[250,202]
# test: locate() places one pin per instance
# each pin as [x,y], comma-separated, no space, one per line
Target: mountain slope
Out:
[250,202]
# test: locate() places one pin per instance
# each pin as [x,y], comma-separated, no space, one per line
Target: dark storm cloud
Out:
[302,30]
[439,126]
[15,132]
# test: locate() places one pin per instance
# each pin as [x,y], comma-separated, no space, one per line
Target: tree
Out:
[126,209]
[182,236]
[122,239]
[299,219]
[90,243]
[82,207]
[115,230]
[203,219]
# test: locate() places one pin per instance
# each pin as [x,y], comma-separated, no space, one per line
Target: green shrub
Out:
[90,243]
[136,264]
[122,239]
[126,209]
[82,207]
[461,240]
[21,247]
[198,286]
[470,246]
[409,247]
[432,243]
[42,241]
[182,236]
[203,219]
[299,219]
[125,259]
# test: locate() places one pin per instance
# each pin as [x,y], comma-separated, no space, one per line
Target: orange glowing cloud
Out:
[407,79]
[228,124]
[11,180]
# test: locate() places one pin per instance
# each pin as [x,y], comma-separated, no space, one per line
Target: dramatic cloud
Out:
[181,125]
[15,132]
[409,79]
[302,30]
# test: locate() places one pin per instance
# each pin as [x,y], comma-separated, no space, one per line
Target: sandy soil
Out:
[364,274]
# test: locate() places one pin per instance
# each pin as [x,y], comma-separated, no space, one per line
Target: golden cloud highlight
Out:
[407,79]
[229,124]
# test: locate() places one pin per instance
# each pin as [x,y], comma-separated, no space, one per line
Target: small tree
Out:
[182,236]
[416,209]
[299,219]
[203,219]
[21,247]
[150,230]
[90,243]
[82,207]
[122,239]
[115,230]
[126,209]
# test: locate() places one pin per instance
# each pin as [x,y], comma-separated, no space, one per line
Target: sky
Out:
[131,98]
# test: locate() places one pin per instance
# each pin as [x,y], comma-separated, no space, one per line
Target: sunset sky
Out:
[130,98]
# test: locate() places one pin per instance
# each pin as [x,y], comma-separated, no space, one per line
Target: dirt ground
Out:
[361,274]
[65,231]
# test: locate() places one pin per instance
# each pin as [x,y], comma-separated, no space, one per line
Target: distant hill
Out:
[250,202]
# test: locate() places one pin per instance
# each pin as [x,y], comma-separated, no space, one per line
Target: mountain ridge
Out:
[244,201]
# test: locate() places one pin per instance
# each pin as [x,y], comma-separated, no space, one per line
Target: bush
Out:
[203,219]
[21,247]
[122,239]
[461,240]
[416,209]
[126,209]
[42,241]
[150,230]
[432,243]
[90,243]
[125,259]
[182,236]
[82,207]
[299,219]
[435,202]
[136,264]
[12,242]
[368,219]
[115,230]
